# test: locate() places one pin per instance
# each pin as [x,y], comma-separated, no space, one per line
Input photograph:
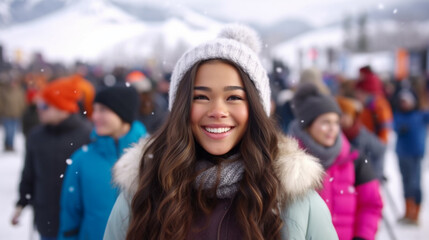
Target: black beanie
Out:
[309,103]
[121,100]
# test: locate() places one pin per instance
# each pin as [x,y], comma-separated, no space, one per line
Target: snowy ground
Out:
[11,165]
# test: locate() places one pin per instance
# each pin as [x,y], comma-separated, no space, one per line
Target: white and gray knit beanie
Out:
[236,43]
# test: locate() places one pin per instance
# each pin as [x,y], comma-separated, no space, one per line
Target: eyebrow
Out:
[227,88]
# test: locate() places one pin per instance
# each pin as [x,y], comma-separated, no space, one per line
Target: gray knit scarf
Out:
[327,155]
[230,175]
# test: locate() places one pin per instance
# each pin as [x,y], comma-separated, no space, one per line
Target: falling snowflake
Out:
[127,84]
[380,6]
[341,192]
[279,69]
[28,196]
[84,113]
[85,148]
[109,80]
[69,161]
[153,113]
[62,175]
[71,189]
[42,70]
[395,11]
[71,144]
[331,179]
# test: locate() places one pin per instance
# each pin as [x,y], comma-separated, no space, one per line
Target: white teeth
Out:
[217,130]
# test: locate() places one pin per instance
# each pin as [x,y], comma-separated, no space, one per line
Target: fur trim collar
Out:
[297,171]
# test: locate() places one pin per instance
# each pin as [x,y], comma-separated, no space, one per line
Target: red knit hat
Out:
[370,83]
[63,93]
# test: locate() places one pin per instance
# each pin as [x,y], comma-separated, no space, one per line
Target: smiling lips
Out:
[217,132]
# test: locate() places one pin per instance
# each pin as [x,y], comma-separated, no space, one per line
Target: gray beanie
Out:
[309,103]
[236,43]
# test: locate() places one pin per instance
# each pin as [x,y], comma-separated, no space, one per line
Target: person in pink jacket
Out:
[350,188]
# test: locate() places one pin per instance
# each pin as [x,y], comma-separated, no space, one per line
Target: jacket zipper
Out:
[223,217]
[117,149]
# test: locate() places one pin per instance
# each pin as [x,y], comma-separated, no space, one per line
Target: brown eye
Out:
[235,97]
[200,97]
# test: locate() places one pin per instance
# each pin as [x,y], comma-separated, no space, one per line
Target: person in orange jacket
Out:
[377,114]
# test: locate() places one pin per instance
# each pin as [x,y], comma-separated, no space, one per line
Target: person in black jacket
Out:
[48,148]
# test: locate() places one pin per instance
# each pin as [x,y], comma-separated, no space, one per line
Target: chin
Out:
[329,143]
[217,151]
[100,132]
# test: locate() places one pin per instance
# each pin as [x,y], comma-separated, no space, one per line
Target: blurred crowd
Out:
[69,114]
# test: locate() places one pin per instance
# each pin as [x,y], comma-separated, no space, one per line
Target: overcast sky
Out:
[316,12]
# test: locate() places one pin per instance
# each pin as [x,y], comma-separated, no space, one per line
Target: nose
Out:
[334,128]
[218,109]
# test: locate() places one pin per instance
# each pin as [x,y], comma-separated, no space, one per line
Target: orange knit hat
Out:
[63,93]
[87,93]
[349,106]
[139,81]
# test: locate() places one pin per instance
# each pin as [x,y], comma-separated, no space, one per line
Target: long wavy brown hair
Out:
[166,200]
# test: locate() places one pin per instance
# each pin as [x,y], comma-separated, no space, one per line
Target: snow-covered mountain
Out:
[99,30]
[19,11]
[118,31]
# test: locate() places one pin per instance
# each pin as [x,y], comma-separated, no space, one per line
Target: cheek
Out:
[323,128]
[241,114]
[97,119]
[195,115]
[336,129]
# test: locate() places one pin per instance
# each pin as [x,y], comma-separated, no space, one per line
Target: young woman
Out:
[88,194]
[218,168]
[350,188]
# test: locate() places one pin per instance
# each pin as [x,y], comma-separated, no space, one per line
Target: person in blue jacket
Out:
[88,193]
[410,126]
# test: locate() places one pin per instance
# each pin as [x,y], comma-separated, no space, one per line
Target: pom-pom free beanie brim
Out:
[309,103]
[121,100]
[236,43]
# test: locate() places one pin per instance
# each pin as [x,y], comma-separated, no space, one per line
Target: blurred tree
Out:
[347,28]
[362,41]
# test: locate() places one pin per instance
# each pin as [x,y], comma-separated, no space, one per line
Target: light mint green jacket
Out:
[305,217]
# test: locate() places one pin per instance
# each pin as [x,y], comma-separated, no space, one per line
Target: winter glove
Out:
[16,215]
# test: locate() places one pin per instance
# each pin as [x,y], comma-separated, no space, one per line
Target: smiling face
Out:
[48,114]
[220,110]
[107,122]
[325,129]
